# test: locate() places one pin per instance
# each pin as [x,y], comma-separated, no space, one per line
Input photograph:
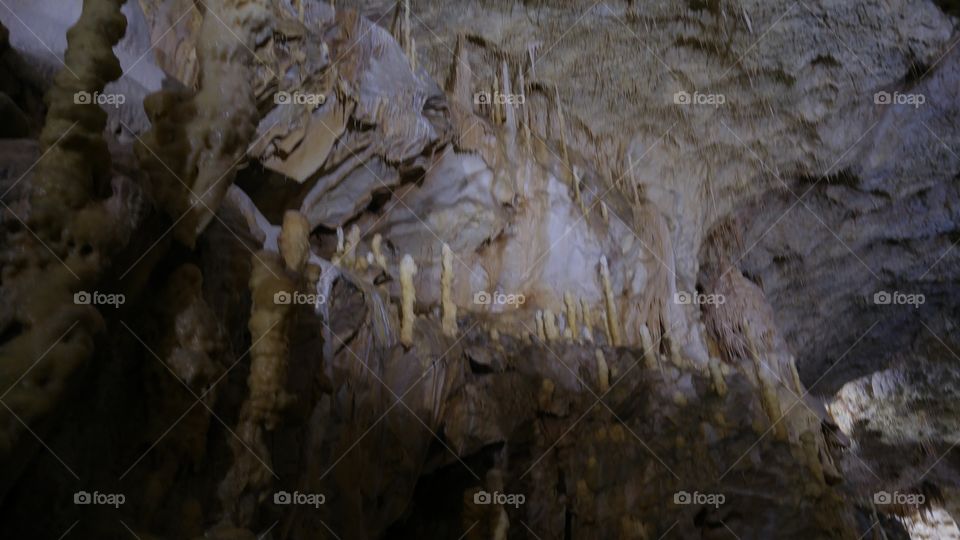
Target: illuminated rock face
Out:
[441,270]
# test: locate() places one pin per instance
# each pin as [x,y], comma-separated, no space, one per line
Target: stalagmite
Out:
[550,326]
[378,251]
[716,375]
[606,327]
[613,320]
[798,387]
[649,354]
[66,217]
[587,321]
[811,452]
[269,319]
[603,372]
[388,150]
[353,241]
[675,357]
[571,311]
[768,388]
[408,269]
[446,293]
[347,247]
[294,241]
[197,142]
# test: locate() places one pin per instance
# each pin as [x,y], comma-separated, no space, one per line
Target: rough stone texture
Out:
[797,198]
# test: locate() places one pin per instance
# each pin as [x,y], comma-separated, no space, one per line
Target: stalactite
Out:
[446,293]
[541,330]
[527,142]
[413,54]
[577,197]
[408,298]
[568,169]
[406,28]
[510,114]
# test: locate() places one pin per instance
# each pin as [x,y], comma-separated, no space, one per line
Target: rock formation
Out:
[414,269]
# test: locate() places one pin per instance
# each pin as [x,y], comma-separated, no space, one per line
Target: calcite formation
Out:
[408,295]
[469,270]
[71,230]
